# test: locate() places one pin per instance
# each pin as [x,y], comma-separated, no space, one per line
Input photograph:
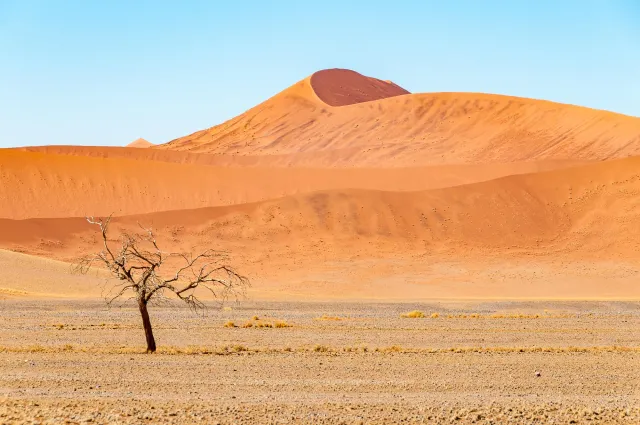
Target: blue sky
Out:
[108,72]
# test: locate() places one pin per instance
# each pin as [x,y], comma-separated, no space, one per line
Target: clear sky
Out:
[108,72]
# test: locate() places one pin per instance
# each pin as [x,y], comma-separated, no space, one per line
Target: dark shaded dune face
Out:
[341,87]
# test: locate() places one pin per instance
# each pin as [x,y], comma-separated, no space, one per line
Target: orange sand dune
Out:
[140,143]
[42,185]
[571,226]
[413,129]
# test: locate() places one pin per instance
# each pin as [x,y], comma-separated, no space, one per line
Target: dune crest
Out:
[341,87]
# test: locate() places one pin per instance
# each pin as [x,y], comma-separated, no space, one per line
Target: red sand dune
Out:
[415,129]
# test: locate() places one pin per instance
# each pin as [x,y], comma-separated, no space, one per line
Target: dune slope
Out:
[26,275]
[299,127]
[43,185]
[571,227]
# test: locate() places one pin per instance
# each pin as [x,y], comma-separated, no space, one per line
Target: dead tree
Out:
[137,262]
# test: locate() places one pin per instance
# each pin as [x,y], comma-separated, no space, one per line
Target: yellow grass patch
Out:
[415,314]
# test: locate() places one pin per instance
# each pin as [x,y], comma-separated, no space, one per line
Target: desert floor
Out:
[476,362]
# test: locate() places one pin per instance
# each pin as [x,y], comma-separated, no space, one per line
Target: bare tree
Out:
[137,262]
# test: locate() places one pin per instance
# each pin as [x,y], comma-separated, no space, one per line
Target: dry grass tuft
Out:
[230,324]
[435,315]
[415,314]
[392,349]
[261,324]
[325,317]
[281,324]
[238,348]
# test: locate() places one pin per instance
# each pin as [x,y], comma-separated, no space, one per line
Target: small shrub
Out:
[229,324]
[281,324]
[435,315]
[248,325]
[320,348]
[239,348]
[392,349]
[255,318]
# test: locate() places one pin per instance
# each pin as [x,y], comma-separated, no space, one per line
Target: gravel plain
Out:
[476,362]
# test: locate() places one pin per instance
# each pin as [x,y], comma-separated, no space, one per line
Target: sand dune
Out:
[413,130]
[48,185]
[571,225]
[140,143]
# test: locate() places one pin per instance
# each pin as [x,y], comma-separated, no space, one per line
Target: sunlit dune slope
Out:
[298,127]
[47,185]
[562,233]
[589,209]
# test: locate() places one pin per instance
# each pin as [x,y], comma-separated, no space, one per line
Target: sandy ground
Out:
[337,363]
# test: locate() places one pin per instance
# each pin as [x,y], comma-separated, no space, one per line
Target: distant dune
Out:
[140,143]
[346,186]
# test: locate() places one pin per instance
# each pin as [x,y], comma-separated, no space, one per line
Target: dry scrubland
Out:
[333,363]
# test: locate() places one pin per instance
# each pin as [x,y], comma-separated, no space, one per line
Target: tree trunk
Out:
[146,322]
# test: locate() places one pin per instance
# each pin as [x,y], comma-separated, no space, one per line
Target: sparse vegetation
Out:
[256,322]
[415,314]
[138,263]
[325,317]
